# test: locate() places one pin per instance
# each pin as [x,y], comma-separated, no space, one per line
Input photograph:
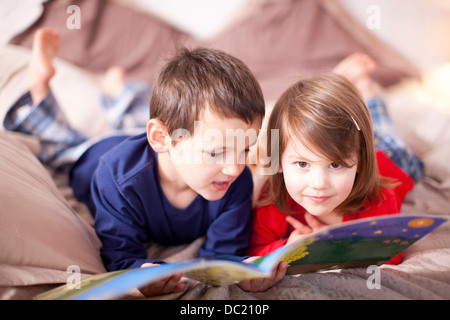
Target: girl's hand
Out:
[301,230]
[164,286]
[263,284]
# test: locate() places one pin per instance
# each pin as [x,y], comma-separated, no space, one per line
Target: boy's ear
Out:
[157,136]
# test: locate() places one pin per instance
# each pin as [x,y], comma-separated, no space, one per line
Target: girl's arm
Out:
[301,230]
[270,231]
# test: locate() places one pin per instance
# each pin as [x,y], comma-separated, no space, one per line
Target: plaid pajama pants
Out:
[388,140]
[61,144]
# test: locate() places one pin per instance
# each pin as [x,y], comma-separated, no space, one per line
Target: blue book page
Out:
[371,239]
[116,284]
[112,285]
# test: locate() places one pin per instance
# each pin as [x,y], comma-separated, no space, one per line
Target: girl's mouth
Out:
[318,199]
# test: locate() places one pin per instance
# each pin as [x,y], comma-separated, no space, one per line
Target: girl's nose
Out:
[319,179]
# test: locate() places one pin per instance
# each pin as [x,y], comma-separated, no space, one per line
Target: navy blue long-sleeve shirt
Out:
[132,210]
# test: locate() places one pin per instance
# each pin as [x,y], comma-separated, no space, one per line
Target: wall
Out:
[418,29]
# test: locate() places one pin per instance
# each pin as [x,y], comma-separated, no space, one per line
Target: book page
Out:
[356,243]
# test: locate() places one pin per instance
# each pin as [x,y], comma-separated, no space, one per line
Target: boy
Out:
[182,179]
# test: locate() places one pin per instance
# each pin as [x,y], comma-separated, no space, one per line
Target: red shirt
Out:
[271,230]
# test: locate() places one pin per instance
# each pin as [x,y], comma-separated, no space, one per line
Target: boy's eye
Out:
[335,165]
[302,164]
[214,154]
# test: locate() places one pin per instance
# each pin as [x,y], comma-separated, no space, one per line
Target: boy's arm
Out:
[118,224]
[230,229]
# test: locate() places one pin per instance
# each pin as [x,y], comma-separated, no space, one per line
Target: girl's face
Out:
[316,183]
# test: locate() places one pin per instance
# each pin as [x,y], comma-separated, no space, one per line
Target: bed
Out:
[45,233]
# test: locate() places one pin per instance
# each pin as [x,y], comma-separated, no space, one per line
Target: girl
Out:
[329,170]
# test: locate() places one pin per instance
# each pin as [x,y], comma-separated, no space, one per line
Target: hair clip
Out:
[357,127]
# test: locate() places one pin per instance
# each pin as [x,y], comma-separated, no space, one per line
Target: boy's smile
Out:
[222,185]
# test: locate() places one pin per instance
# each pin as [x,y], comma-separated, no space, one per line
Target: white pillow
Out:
[203,19]
[17,16]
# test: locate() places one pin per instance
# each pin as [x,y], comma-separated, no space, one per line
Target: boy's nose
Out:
[232,170]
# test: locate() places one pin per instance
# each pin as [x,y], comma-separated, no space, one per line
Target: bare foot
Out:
[40,68]
[358,68]
[114,81]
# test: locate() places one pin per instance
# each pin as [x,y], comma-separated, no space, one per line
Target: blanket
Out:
[44,230]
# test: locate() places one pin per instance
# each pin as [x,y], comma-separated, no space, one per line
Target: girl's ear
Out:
[157,136]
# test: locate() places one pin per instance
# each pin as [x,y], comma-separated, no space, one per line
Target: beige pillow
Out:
[40,234]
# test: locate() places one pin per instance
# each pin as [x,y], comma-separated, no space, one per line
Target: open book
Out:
[359,243]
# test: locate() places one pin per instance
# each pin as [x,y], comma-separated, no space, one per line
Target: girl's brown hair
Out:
[328,114]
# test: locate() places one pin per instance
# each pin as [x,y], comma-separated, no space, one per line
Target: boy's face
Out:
[211,158]
[314,182]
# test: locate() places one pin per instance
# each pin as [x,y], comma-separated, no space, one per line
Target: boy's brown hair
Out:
[328,114]
[196,79]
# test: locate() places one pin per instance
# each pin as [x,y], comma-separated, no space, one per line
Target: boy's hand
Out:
[301,230]
[263,284]
[167,285]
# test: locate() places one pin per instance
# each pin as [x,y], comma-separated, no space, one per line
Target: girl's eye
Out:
[335,165]
[302,164]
